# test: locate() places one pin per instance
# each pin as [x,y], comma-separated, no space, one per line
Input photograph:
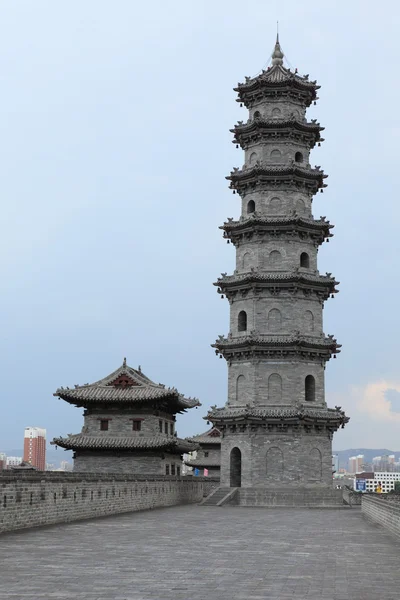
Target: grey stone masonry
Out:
[30,500]
[276,428]
[384,510]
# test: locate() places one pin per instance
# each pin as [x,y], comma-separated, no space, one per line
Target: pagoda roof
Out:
[257,276]
[126,385]
[269,172]
[81,441]
[293,339]
[277,78]
[279,221]
[260,125]
[212,436]
[277,75]
[335,417]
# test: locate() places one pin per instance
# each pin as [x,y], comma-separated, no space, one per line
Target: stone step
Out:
[216,496]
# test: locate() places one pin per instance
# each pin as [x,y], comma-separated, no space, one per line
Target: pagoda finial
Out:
[124,363]
[277,55]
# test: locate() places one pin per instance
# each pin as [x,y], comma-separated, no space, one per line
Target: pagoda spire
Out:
[277,55]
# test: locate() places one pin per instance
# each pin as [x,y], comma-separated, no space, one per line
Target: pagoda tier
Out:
[91,442]
[277,284]
[264,176]
[277,82]
[257,228]
[290,346]
[261,130]
[277,420]
[127,386]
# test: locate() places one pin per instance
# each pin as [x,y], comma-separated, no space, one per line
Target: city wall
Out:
[385,512]
[35,499]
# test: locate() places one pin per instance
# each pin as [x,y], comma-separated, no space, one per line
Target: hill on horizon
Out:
[368,453]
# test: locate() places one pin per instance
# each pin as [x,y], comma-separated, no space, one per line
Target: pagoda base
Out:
[294,497]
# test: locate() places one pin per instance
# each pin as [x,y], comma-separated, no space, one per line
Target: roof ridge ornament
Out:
[124,363]
[277,55]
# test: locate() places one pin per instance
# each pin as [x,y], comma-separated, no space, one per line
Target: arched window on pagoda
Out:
[304,260]
[242,321]
[276,113]
[253,158]
[257,114]
[240,387]
[309,390]
[251,207]
[298,157]
[275,155]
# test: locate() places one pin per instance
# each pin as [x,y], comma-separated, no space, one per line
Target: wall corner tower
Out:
[276,427]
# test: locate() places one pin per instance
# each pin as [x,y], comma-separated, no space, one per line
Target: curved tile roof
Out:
[257,276]
[278,340]
[203,462]
[212,436]
[302,413]
[279,220]
[87,442]
[126,385]
[277,74]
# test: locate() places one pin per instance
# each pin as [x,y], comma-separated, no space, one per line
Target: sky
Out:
[114,147]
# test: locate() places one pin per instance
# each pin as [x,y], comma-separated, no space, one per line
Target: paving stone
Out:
[204,553]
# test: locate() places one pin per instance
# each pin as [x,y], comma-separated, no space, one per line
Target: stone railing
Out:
[384,510]
[32,499]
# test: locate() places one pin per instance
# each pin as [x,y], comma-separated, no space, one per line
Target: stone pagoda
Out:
[129,425]
[209,454]
[276,427]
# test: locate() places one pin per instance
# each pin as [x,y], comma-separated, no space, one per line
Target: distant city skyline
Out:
[115,149]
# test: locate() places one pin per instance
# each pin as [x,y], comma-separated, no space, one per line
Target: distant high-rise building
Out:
[35,447]
[353,464]
[359,463]
[13,461]
[65,465]
[3,461]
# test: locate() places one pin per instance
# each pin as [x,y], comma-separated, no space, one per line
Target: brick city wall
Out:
[381,510]
[34,499]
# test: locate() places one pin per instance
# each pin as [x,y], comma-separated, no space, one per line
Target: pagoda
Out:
[129,425]
[208,457]
[276,427]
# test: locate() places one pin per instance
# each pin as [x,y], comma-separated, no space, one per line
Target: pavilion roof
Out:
[126,385]
[212,436]
[203,462]
[90,442]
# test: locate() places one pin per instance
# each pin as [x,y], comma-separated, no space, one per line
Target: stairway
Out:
[220,496]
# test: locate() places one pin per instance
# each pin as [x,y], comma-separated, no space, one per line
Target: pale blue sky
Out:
[114,148]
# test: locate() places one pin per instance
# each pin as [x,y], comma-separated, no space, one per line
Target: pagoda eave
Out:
[317,231]
[258,347]
[278,420]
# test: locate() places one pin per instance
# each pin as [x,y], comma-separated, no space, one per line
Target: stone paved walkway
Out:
[204,553]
